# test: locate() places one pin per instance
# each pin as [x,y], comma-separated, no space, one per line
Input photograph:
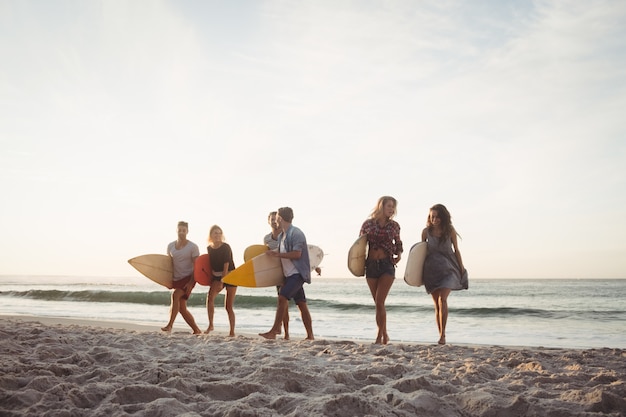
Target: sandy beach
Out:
[66,367]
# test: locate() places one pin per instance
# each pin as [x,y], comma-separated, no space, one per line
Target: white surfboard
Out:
[356,256]
[316,255]
[157,267]
[413,275]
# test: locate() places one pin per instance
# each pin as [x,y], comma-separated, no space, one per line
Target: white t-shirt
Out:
[288,267]
[183,258]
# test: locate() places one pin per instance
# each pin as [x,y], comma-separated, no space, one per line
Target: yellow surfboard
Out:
[253,251]
[261,271]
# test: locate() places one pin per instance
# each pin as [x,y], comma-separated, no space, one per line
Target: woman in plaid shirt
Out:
[385,250]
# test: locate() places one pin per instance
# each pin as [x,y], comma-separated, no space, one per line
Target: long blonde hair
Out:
[381,203]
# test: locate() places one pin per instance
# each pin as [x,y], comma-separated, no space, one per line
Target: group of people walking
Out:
[443,267]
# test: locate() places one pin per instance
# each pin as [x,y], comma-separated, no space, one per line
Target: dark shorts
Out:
[180,284]
[214,278]
[293,288]
[376,268]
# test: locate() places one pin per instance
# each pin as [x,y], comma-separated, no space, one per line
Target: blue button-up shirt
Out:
[295,240]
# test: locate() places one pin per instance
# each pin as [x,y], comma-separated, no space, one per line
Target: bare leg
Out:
[189,317]
[278,303]
[379,288]
[216,287]
[229,302]
[435,296]
[278,320]
[286,320]
[306,319]
[174,309]
[440,298]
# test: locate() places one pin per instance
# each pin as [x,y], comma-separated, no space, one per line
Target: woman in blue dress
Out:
[443,268]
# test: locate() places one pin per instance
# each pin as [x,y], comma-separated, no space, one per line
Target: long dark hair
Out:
[445,221]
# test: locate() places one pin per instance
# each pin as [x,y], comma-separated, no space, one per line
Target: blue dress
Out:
[441,269]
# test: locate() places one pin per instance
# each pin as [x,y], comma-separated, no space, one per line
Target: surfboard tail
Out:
[243,276]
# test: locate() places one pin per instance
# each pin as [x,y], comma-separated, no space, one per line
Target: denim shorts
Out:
[376,268]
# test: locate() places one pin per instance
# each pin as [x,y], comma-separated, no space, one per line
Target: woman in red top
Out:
[385,250]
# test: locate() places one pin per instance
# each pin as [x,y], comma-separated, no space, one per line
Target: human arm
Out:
[457,253]
[229,265]
[192,282]
[398,247]
[365,228]
[294,254]
[294,243]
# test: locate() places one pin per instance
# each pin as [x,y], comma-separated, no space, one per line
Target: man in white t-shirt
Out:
[184,253]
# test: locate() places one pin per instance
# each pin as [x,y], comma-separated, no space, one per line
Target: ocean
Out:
[574,313]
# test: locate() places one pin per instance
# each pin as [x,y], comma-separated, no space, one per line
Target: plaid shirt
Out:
[385,237]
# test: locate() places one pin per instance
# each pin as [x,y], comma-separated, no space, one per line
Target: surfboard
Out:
[253,250]
[202,270]
[156,267]
[316,255]
[266,271]
[261,271]
[413,274]
[356,256]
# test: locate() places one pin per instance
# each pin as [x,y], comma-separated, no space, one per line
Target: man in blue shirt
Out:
[294,256]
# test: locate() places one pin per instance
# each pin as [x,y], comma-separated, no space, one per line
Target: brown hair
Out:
[286,213]
[444,217]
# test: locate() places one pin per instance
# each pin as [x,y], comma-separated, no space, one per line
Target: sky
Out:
[118,119]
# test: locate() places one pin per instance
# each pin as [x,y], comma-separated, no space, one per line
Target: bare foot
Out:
[310,338]
[208,330]
[167,328]
[268,335]
[197,332]
[442,340]
[286,336]
[231,335]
